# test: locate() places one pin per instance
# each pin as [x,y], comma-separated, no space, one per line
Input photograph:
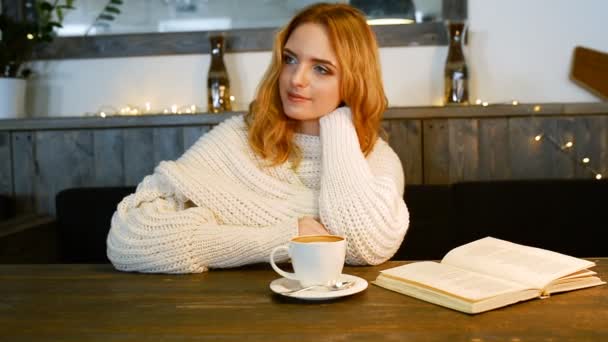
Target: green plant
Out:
[108,13]
[19,38]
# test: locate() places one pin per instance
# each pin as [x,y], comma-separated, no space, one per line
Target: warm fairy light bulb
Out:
[30,36]
[585,160]
[166,111]
[193,108]
[538,137]
[485,104]
[515,102]
[478,101]
[174,109]
[148,106]
[569,144]
[598,176]
[232,98]
[102,114]
[537,108]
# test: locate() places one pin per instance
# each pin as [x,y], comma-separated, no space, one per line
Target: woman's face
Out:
[309,83]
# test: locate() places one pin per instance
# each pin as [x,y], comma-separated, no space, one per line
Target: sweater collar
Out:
[310,145]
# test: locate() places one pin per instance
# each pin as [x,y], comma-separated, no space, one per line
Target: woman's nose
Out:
[299,78]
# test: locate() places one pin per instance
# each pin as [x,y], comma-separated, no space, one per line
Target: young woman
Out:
[305,160]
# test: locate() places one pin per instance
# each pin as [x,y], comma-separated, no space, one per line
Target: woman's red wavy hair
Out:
[271,131]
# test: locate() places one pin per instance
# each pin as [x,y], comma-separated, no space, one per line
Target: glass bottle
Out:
[456,74]
[218,84]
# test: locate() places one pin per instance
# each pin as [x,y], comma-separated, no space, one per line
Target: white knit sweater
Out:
[219,206]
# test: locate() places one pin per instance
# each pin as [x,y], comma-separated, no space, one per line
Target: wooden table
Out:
[97,303]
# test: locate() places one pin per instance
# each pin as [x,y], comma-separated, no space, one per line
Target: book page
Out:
[573,284]
[579,274]
[451,280]
[534,267]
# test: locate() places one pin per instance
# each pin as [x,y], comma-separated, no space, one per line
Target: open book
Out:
[489,273]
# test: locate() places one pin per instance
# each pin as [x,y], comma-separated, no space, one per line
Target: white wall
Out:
[518,50]
[523,49]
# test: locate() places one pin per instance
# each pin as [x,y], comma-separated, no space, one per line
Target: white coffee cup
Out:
[316,259]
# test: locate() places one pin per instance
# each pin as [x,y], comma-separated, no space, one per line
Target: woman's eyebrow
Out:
[317,60]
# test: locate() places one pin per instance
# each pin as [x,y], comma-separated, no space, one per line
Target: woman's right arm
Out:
[156,230]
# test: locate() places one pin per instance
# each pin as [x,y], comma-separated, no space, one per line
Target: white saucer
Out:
[318,293]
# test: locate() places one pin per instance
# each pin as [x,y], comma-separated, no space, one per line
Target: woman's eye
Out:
[322,70]
[288,59]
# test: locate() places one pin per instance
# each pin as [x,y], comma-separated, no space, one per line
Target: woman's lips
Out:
[296,98]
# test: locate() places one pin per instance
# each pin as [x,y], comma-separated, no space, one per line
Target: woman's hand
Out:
[309,226]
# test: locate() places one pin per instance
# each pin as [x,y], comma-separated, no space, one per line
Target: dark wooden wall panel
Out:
[436,151]
[565,164]
[494,158]
[168,143]
[138,154]
[433,151]
[463,146]
[531,159]
[65,160]
[405,137]
[192,134]
[109,157]
[6,165]
[590,133]
[24,171]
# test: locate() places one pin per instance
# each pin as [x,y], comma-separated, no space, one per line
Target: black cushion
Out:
[429,207]
[7,207]
[565,216]
[83,222]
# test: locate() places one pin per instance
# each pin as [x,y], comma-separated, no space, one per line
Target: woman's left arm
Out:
[361,199]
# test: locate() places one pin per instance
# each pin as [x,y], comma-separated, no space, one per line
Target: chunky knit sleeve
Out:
[157,229]
[361,199]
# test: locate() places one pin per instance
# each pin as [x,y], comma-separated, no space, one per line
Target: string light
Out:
[565,148]
[106,111]
[147,109]
[483,103]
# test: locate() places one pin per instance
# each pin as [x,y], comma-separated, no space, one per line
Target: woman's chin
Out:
[298,113]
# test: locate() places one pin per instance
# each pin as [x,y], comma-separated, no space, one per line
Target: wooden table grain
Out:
[97,303]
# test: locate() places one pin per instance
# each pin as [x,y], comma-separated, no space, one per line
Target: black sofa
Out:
[567,216]
[7,207]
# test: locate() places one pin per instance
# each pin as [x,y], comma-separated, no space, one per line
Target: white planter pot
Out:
[12,98]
